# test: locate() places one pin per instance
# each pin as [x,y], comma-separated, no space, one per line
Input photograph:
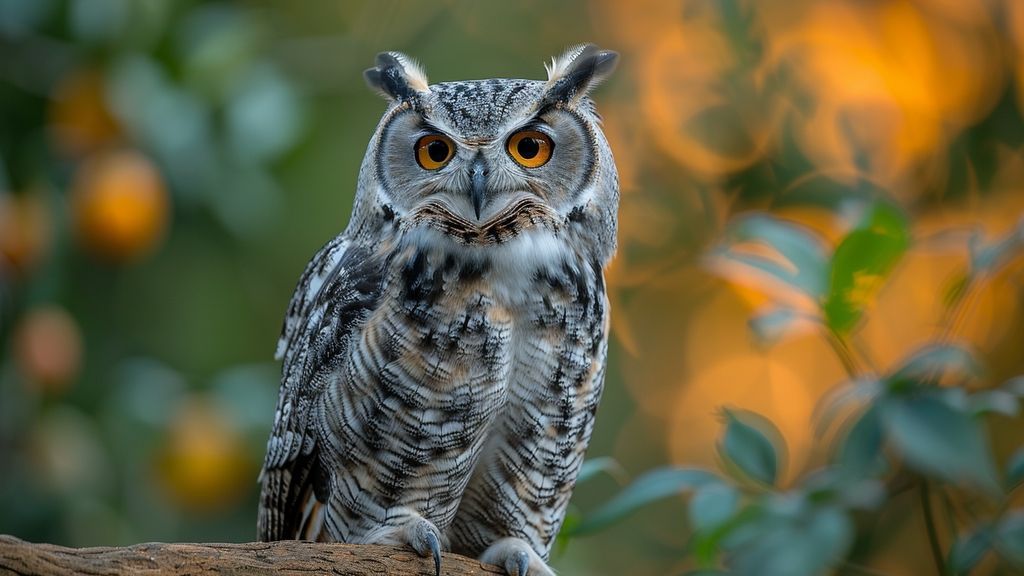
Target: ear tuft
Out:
[560,64]
[397,77]
[578,71]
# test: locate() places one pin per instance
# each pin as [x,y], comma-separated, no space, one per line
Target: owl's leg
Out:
[516,557]
[417,532]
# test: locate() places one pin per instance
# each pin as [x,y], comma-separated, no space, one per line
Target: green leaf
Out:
[838,401]
[831,485]
[651,487]
[1010,537]
[712,505]
[705,546]
[861,454]
[591,468]
[861,263]
[932,362]
[935,439]
[799,546]
[1015,469]
[862,495]
[569,524]
[803,264]
[994,401]
[969,549]
[773,325]
[749,448]
[1015,386]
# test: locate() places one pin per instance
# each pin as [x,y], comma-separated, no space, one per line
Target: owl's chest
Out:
[459,320]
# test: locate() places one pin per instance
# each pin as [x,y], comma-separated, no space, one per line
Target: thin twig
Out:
[844,353]
[957,312]
[859,346]
[933,534]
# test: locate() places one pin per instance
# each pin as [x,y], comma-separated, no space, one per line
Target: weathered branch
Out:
[269,558]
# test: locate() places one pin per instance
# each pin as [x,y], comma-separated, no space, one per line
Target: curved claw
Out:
[521,562]
[423,537]
[435,550]
[517,558]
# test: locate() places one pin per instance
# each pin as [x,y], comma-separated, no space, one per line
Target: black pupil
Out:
[437,150]
[528,148]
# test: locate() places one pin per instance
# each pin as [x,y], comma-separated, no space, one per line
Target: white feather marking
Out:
[414,73]
[282,346]
[560,64]
[313,284]
[514,261]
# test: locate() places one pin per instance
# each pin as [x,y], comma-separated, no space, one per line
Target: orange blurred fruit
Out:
[24,231]
[48,348]
[120,205]
[80,121]
[204,465]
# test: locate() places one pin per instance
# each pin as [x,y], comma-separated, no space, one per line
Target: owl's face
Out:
[482,160]
[479,145]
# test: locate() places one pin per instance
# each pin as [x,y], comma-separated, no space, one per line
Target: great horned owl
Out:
[444,355]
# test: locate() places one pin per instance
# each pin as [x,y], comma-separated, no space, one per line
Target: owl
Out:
[444,356]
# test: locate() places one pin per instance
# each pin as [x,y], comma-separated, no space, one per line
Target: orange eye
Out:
[530,148]
[434,151]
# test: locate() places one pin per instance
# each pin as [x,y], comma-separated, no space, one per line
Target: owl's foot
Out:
[425,539]
[516,557]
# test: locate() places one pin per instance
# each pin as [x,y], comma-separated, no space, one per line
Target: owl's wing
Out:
[335,295]
[319,271]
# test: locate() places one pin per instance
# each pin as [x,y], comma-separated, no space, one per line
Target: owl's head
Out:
[484,160]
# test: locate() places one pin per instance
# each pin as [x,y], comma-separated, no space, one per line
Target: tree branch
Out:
[258,558]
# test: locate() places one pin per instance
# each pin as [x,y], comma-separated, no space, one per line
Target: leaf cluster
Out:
[920,427]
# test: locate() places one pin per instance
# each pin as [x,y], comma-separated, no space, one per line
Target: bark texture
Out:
[256,558]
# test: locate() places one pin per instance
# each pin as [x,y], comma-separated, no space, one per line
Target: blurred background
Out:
[168,168]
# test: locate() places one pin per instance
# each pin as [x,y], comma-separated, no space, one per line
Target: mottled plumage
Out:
[444,356]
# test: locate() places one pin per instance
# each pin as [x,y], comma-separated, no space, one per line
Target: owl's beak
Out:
[478,179]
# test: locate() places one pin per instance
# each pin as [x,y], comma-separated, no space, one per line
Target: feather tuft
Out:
[559,65]
[415,75]
[576,72]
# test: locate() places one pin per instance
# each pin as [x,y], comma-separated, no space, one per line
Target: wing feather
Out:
[335,295]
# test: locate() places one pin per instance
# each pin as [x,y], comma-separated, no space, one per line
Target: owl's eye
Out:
[434,151]
[530,148]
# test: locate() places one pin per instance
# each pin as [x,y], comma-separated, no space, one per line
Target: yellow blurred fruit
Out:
[80,121]
[48,348]
[25,231]
[204,465]
[120,205]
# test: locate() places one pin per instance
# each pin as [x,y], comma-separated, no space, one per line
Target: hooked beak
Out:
[478,180]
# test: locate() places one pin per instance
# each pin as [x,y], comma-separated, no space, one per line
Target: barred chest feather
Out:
[471,351]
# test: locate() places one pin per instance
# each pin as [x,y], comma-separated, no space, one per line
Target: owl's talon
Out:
[425,539]
[516,557]
[522,560]
[435,550]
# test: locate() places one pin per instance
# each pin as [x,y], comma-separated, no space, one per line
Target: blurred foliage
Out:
[919,428]
[817,305]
